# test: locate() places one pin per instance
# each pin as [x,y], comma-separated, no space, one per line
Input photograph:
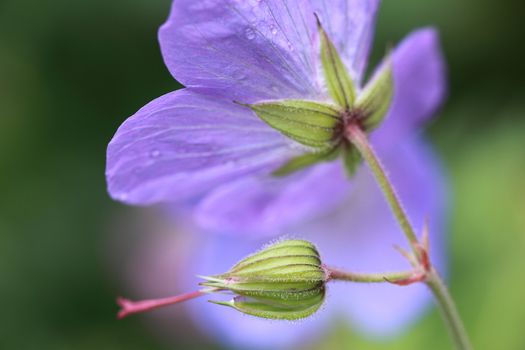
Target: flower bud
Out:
[285,280]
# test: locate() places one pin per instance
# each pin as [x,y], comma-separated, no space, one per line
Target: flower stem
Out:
[341,275]
[448,309]
[359,139]
[129,307]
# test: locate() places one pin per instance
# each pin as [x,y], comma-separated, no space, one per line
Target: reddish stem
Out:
[129,307]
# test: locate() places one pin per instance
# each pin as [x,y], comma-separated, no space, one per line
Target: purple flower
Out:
[196,148]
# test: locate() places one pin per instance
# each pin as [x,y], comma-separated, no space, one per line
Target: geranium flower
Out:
[198,148]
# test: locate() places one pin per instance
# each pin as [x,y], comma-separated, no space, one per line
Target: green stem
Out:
[342,275]
[448,309]
[359,139]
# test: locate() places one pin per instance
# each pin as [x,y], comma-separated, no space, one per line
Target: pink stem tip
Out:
[129,307]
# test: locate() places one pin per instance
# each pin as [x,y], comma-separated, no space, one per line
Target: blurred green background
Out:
[72,71]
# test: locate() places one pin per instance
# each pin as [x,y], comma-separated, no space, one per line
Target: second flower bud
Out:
[285,280]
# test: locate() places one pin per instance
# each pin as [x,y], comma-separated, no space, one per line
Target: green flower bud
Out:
[285,280]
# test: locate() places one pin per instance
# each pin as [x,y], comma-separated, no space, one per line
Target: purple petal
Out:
[361,235]
[254,50]
[245,49]
[185,143]
[270,205]
[350,25]
[420,86]
[218,254]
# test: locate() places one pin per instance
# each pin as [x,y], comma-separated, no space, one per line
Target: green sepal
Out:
[312,124]
[306,160]
[277,310]
[278,249]
[289,261]
[277,289]
[374,101]
[351,159]
[275,262]
[338,80]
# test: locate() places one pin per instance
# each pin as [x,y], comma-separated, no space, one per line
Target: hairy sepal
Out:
[310,123]
[306,160]
[351,159]
[338,80]
[290,310]
[375,99]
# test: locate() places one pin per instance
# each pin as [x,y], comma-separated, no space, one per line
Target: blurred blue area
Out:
[71,72]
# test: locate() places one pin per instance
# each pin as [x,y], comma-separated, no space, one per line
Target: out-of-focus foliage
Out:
[71,71]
